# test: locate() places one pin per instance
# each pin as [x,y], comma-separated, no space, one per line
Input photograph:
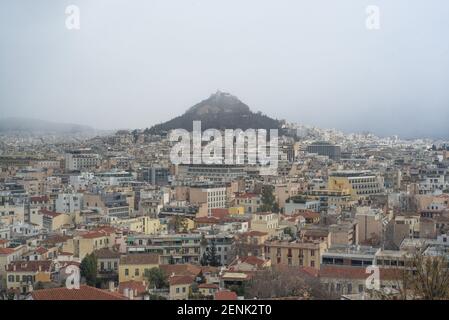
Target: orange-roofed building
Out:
[219,212]
[249,263]
[251,202]
[180,287]
[21,275]
[88,242]
[225,295]
[83,293]
[208,289]
[133,289]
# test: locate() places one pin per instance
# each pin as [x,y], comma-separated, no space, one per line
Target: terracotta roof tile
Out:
[177,280]
[225,295]
[140,258]
[83,293]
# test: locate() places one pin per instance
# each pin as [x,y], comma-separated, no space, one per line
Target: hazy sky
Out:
[134,63]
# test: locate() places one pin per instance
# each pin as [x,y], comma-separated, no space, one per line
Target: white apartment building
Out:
[81,159]
[81,182]
[213,196]
[69,202]
[114,178]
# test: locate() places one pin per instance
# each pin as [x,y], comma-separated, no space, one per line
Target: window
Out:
[177,290]
[360,288]
[312,264]
[184,289]
[126,272]
[11,278]
[136,272]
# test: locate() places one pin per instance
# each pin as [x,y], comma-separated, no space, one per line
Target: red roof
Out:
[30,266]
[39,199]
[177,280]
[185,269]
[94,234]
[252,260]
[138,287]
[210,220]
[225,295]
[83,293]
[6,250]
[219,212]
[310,214]
[41,250]
[49,213]
[208,286]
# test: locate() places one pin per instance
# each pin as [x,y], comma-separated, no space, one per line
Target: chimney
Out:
[111,286]
[126,292]
[131,294]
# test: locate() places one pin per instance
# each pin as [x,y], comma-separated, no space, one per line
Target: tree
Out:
[291,232]
[269,203]
[157,278]
[210,257]
[281,281]
[88,269]
[178,224]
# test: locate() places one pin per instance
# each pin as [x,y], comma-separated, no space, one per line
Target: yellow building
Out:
[145,225]
[295,253]
[208,289]
[357,183]
[8,255]
[22,275]
[133,266]
[236,210]
[87,243]
[180,287]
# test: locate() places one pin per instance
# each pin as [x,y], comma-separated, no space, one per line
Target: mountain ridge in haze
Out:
[30,125]
[220,111]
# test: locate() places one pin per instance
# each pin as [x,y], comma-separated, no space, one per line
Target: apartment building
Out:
[81,159]
[251,202]
[295,253]
[22,275]
[213,196]
[359,184]
[265,222]
[69,202]
[88,242]
[133,266]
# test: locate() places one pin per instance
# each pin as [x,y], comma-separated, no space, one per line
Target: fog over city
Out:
[136,63]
